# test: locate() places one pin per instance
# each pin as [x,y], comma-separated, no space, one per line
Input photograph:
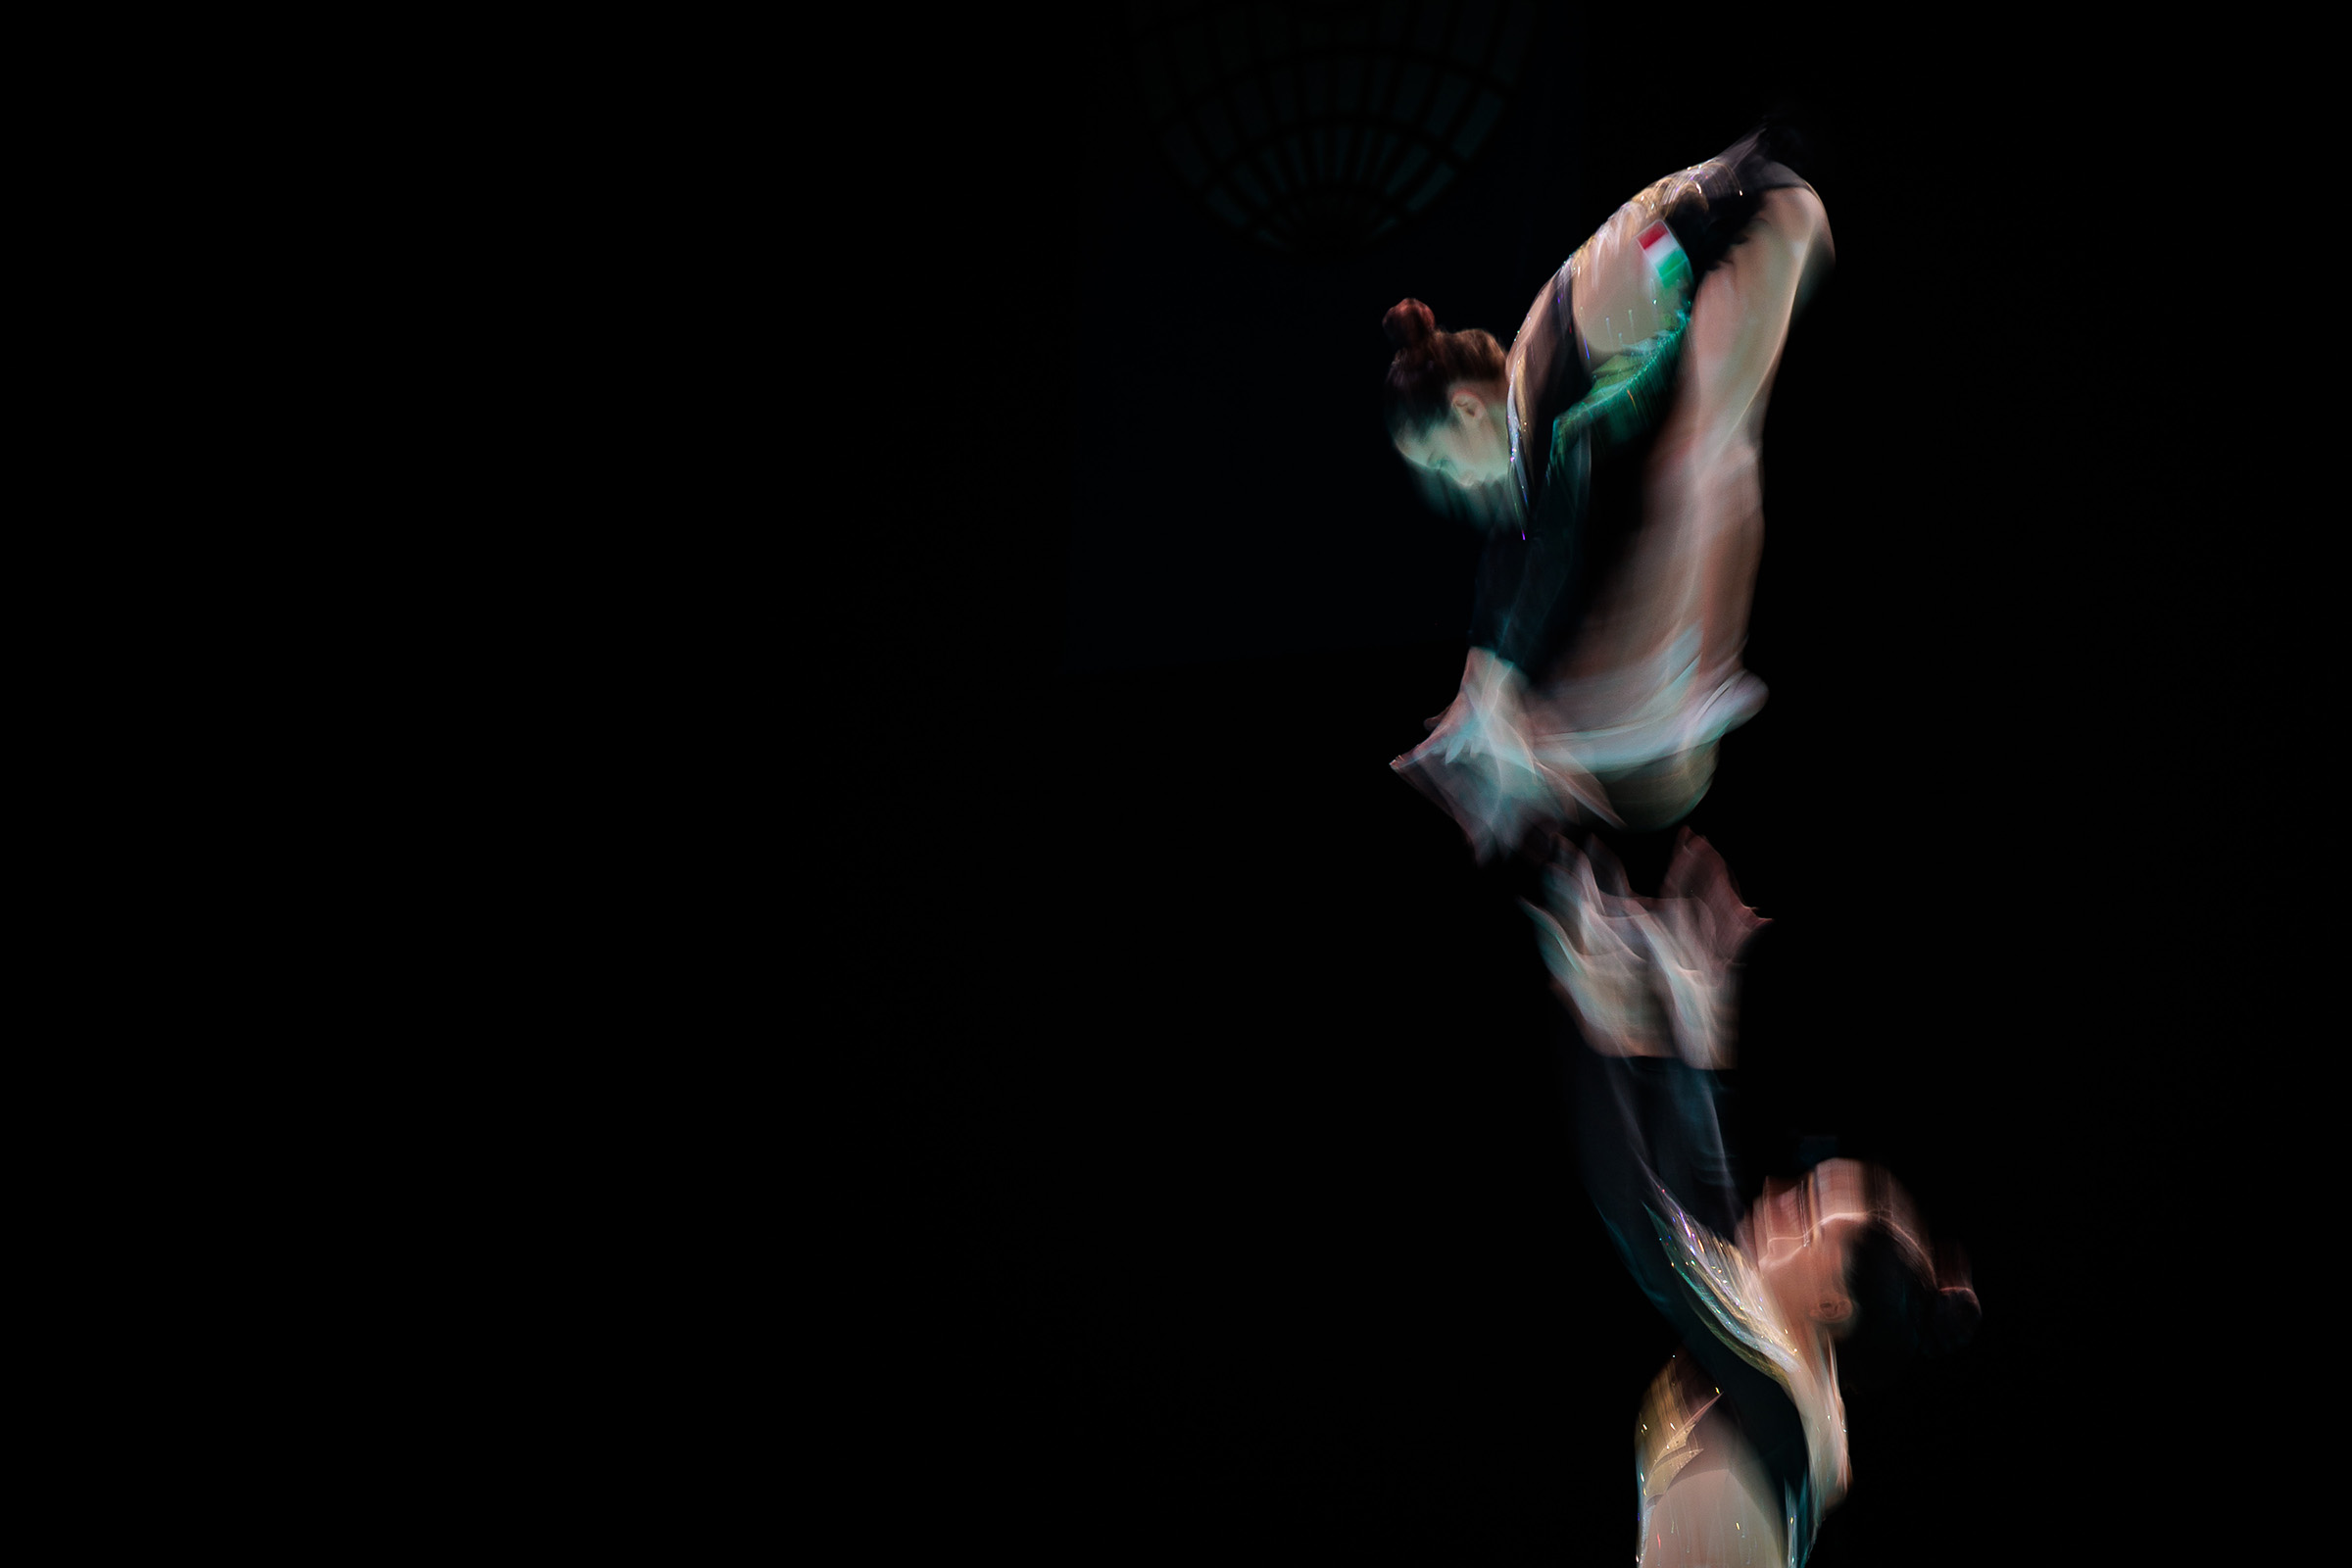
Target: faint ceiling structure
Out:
[1324,128]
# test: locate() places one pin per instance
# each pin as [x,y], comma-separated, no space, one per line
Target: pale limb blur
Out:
[1648,977]
[1480,765]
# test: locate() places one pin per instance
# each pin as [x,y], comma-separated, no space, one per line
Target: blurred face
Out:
[1803,1234]
[1469,447]
[1820,1286]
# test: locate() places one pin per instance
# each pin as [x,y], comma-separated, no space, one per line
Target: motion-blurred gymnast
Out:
[1604,669]
[1606,639]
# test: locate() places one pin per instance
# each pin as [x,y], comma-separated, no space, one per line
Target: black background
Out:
[1236,1202]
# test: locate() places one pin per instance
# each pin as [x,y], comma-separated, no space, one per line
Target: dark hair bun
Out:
[1427,362]
[1409,322]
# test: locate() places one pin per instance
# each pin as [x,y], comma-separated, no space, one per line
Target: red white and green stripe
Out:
[1665,256]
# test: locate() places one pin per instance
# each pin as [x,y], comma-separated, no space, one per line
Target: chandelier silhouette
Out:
[1321,128]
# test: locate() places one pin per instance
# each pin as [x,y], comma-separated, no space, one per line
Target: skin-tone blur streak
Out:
[1648,977]
[1716,1518]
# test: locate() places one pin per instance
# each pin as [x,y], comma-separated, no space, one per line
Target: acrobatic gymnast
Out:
[1604,669]
[1606,639]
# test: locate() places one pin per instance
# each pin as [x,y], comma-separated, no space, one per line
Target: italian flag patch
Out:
[1665,256]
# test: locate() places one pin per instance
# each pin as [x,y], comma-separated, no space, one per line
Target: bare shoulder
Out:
[1796,215]
[1783,256]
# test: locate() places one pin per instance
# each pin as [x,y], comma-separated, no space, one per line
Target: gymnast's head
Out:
[1845,1250]
[1446,396]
